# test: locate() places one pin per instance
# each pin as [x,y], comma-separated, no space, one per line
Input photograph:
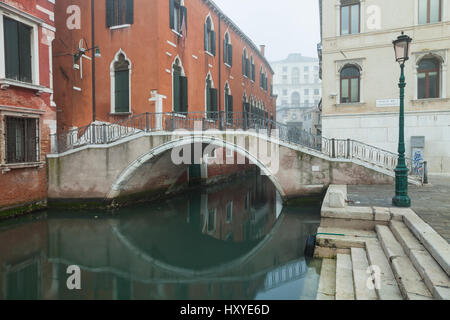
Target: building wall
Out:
[25,183]
[369,121]
[152,47]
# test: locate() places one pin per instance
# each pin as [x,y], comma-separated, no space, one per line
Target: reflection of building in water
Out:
[232,214]
[144,253]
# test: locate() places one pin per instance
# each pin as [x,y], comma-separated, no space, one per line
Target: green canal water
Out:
[233,241]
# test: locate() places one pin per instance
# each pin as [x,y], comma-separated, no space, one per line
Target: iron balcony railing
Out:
[106,133]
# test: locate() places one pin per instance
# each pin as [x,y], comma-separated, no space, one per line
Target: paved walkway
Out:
[430,202]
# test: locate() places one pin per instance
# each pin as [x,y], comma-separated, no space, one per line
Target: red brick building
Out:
[156,56]
[27,111]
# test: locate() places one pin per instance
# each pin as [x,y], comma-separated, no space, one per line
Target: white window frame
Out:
[113,82]
[359,63]
[208,51]
[445,16]
[442,56]
[34,48]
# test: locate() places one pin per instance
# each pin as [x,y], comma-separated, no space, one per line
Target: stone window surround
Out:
[34,47]
[441,55]
[359,63]
[362,25]
[113,82]
[18,112]
[444,13]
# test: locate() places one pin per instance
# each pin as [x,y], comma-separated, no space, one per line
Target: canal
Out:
[231,241]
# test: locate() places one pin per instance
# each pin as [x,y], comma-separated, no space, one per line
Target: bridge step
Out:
[360,276]
[344,278]
[435,278]
[327,282]
[410,282]
[388,287]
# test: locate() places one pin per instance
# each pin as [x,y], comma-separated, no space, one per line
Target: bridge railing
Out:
[106,133]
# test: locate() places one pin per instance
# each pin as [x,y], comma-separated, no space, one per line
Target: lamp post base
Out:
[401,201]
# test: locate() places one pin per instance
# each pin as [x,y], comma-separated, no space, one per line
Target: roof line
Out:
[239,31]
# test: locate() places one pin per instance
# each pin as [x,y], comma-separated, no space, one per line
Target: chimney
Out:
[263,50]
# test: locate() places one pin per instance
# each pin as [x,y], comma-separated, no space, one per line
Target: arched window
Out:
[295,76]
[210,37]
[228,104]
[350,84]
[120,84]
[227,50]
[295,99]
[211,99]
[428,76]
[253,68]
[180,88]
[245,64]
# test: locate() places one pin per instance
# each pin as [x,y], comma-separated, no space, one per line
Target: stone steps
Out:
[435,278]
[344,278]
[364,290]
[410,282]
[327,282]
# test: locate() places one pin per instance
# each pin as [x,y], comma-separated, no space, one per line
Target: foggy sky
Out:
[284,26]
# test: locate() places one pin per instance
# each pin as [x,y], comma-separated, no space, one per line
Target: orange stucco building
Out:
[154,56]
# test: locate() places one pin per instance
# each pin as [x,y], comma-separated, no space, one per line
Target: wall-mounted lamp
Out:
[81,51]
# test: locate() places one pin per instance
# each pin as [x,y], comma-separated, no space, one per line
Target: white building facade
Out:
[297,84]
[360,76]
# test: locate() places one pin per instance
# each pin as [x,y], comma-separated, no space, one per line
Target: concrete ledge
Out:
[358,213]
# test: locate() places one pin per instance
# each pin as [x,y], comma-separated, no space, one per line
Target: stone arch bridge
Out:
[136,157]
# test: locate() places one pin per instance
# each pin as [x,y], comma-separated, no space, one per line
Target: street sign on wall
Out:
[388,103]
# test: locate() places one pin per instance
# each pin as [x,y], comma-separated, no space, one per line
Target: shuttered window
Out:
[227,51]
[212,103]
[17,50]
[229,108]
[119,12]
[21,140]
[178,17]
[180,94]
[121,85]
[210,37]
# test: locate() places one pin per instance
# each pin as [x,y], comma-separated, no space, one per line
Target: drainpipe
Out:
[93,57]
[220,75]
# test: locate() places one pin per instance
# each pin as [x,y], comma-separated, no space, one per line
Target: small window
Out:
[285,69]
[306,69]
[350,17]
[350,84]
[211,100]
[119,12]
[285,92]
[430,11]
[316,92]
[227,50]
[180,89]
[178,17]
[228,105]
[428,76]
[229,212]
[245,64]
[306,92]
[210,37]
[295,76]
[121,85]
[295,99]
[17,50]
[22,140]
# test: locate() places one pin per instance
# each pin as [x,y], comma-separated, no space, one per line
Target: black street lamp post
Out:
[401,199]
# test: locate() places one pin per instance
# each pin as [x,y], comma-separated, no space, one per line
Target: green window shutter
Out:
[122,94]
[184,16]
[176,93]
[213,97]
[206,37]
[230,54]
[213,42]
[230,103]
[172,21]
[24,52]
[184,93]
[225,52]
[109,13]
[11,48]
[31,141]
[130,12]
[243,64]
[11,140]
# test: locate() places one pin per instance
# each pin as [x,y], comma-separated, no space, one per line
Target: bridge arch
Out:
[130,171]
